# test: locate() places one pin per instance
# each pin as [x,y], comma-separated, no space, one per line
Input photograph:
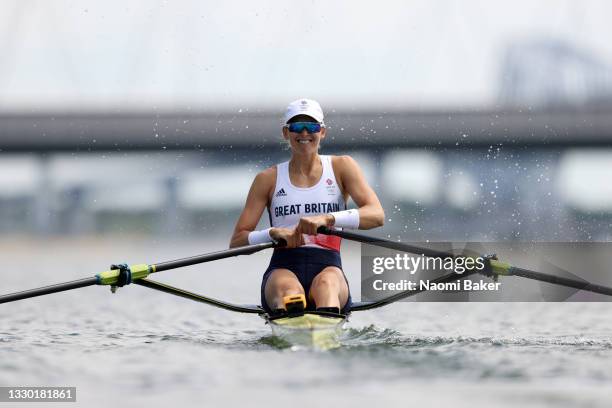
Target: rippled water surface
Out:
[140,347]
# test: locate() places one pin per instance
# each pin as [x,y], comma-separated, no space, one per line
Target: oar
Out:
[495,268]
[138,271]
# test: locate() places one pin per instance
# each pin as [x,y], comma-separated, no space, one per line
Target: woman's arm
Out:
[353,182]
[256,202]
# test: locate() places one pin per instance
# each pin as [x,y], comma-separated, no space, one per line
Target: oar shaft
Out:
[497,268]
[227,253]
[46,290]
[138,271]
[385,243]
[559,280]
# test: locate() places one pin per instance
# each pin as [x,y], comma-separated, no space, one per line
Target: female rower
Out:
[301,195]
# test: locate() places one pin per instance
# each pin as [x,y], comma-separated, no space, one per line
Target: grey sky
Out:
[147,54]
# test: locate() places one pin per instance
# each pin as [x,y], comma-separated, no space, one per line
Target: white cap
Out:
[304,107]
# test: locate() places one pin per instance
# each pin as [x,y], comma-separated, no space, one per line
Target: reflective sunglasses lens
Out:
[298,127]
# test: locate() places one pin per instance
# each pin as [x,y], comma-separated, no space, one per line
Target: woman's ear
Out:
[285,131]
[323,132]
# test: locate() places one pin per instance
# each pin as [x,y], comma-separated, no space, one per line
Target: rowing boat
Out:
[299,326]
[320,330]
[310,330]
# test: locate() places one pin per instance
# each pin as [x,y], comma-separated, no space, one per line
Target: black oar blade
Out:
[559,293]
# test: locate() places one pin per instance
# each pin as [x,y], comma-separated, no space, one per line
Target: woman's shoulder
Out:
[343,162]
[265,181]
[267,175]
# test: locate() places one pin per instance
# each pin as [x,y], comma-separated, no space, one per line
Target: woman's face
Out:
[303,142]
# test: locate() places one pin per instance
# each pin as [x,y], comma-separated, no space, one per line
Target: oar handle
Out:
[324,230]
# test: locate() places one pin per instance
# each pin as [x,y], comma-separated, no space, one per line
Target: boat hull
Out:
[309,330]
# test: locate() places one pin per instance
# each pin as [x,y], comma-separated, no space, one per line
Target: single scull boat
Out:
[298,326]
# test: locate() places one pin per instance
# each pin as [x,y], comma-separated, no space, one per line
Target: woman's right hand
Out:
[289,235]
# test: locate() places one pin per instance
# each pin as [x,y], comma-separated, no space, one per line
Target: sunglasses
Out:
[298,127]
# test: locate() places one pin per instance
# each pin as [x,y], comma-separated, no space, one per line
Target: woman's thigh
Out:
[282,282]
[330,275]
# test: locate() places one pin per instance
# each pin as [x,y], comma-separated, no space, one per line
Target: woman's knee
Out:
[283,283]
[328,280]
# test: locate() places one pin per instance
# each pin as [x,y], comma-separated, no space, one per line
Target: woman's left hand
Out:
[310,225]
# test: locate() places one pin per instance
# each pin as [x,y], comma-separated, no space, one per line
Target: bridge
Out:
[52,132]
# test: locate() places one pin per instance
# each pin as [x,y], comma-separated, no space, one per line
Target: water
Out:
[145,347]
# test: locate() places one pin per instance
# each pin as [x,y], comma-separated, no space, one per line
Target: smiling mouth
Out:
[304,141]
